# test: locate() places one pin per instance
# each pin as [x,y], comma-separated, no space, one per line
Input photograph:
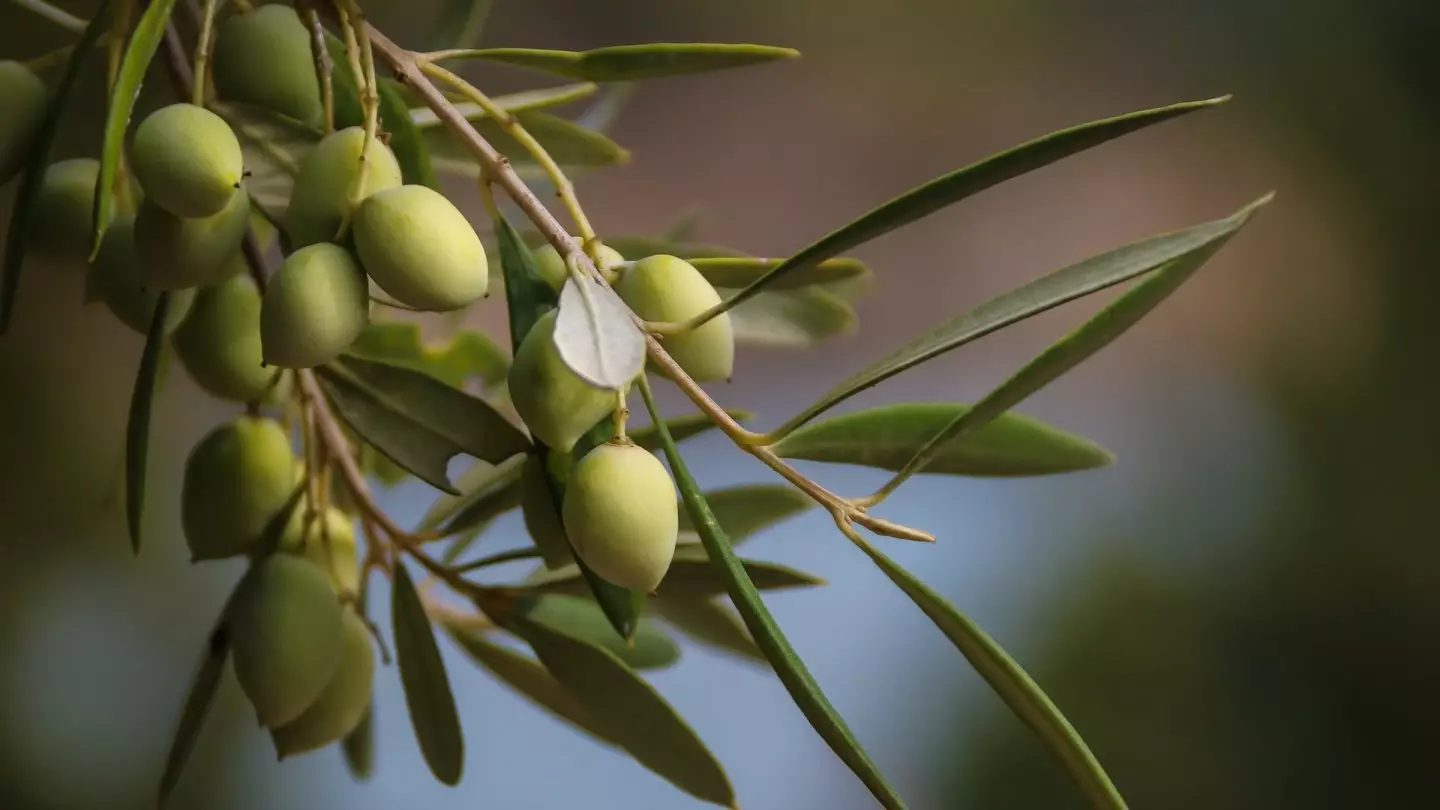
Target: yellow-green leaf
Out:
[622,63]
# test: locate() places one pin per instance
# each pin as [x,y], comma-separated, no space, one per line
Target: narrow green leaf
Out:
[623,63]
[709,622]
[274,531]
[359,747]
[137,427]
[409,147]
[629,709]
[348,112]
[767,634]
[887,437]
[638,247]
[1097,333]
[648,648]
[791,318]
[197,706]
[427,687]
[605,111]
[527,295]
[747,509]
[738,271]
[570,144]
[949,189]
[527,677]
[133,66]
[682,428]
[22,210]
[691,575]
[1047,292]
[459,24]
[467,356]
[479,482]
[490,499]
[541,99]
[1010,682]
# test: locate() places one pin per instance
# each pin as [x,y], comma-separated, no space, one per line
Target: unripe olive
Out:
[322,184]
[263,58]
[542,519]
[61,223]
[556,404]
[220,342]
[315,306]
[286,636]
[178,252]
[621,516]
[24,100]
[552,266]
[667,289]
[329,542]
[343,701]
[187,159]
[420,249]
[236,480]
[118,278]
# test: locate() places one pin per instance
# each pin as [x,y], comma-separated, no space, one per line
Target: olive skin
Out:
[556,404]
[236,480]
[329,542]
[61,226]
[322,185]
[119,279]
[286,636]
[667,289]
[316,305]
[179,252]
[25,101]
[552,267]
[219,343]
[420,249]
[542,519]
[188,160]
[263,58]
[621,515]
[343,701]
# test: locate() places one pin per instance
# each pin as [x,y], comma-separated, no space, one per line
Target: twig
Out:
[324,68]
[59,16]
[202,53]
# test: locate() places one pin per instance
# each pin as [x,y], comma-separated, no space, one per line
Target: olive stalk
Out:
[202,53]
[324,68]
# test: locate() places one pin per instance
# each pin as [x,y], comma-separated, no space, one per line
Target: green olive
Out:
[329,542]
[286,636]
[316,305]
[323,184]
[344,700]
[552,267]
[236,480]
[667,289]
[542,519]
[178,252]
[220,342]
[61,226]
[555,403]
[118,277]
[188,160]
[24,99]
[420,249]
[621,515]
[263,58]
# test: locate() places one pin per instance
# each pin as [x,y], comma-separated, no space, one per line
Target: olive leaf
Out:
[1067,284]
[791,318]
[641,246]
[359,747]
[406,141]
[750,508]
[273,147]
[738,271]
[1010,682]
[648,648]
[459,24]
[198,700]
[767,633]
[603,113]
[683,427]
[527,296]
[144,41]
[22,210]
[622,63]
[708,622]
[137,425]
[417,421]
[887,437]
[691,574]
[949,189]
[427,687]
[467,355]
[568,143]
[493,491]
[630,711]
[596,336]
[540,99]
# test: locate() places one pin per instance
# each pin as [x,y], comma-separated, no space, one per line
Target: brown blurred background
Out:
[1242,613]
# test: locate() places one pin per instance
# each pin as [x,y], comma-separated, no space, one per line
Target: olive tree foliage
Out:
[274,224]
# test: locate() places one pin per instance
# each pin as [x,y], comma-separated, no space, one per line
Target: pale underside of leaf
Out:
[596,336]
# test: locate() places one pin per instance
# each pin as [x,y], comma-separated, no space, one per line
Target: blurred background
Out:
[1242,612]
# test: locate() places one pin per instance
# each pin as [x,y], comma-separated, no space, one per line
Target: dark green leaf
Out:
[1010,682]
[409,147]
[137,427]
[427,687]
[274,531]
[359,747]
[348,112]
[133,65]
[273,146]
[709,622]
[791,318]
[887,437]
[197,705]
[638,247]
[582,618]
[527,295]
[767,634]
[485,499]
[467,356]
[22,209]
[745,510]
[691,574]
[622,63]
[1064,285]
[459,24]
[738,271]
[527,677]
[541,99]
[942,192]
[1097,333]
[570,144]
[629,710]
